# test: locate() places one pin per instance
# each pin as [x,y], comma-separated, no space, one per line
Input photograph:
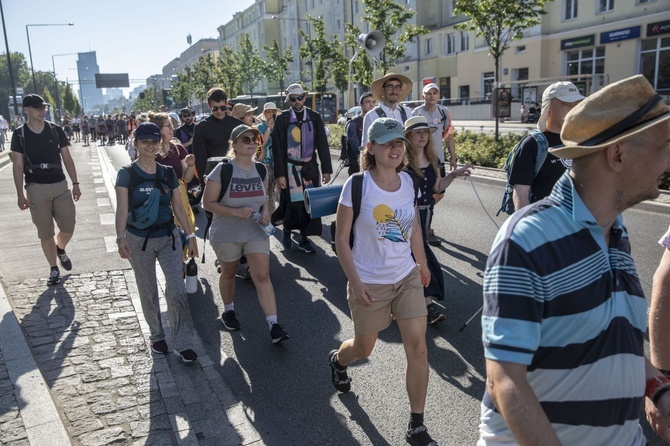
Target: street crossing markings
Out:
[107,219]
[101,190]
[110,243]
[98,180]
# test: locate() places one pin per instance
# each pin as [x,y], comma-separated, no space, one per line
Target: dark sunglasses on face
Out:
[40,107]
[216,108]
[247,140]
[296,98]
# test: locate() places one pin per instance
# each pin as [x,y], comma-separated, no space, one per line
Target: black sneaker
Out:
[286,240]
[419,436]
[229,320]
[187,355]
[159,347]
[278,334]
[54,277]
[432,239]
[341,380]
[247,273]
[306,245]
[434,315]
[64,260]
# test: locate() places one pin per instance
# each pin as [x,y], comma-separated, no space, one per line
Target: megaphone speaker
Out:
[373,42]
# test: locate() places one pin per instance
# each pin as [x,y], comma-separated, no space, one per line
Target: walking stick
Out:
[471,318]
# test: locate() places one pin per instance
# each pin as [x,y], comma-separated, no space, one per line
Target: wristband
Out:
[190,236]
[654,383]
[662,391]
[75,184]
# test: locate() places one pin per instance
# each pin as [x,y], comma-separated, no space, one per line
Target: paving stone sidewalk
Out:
[12,429]
[87,337]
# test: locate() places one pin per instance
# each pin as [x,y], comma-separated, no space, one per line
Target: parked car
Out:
[350,114]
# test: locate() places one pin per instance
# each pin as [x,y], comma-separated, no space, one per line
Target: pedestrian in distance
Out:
[245,113]
[298,139]
[41,149]
[423,161]
[438,117]
[530,185]
[564,315]
[160,241]
[386,267]
[267,123]
[234,233]
[354,132]
[184,133]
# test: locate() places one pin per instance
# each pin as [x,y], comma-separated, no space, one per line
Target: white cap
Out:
[564,91]
[294,89]
[429,87]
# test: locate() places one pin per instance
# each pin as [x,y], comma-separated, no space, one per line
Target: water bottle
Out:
[257,217]
[191,277]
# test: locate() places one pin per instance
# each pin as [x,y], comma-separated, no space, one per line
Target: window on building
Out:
[465,41]
[338,24]
[428,45]
[605,5]
[464,92]
[445,88]
[450,44]
[654,55]
[356,6]
[644,1]
[586,61]
[570,9]
[488,79]
[520,49]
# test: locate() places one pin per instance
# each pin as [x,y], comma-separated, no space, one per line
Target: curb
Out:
[37,410]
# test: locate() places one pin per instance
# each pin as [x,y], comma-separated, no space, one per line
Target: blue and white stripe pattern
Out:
[558,300]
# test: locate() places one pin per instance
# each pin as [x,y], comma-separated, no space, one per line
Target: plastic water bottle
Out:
[191,277]
[268,229]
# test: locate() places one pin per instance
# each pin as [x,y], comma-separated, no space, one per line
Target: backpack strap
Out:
[542,149]
[382,114]
[261,169]
[356,198]
[226,176]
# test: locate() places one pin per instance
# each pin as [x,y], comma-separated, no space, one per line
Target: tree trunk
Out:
[495,98]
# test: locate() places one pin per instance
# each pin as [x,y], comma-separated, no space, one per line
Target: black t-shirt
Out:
[523,171]
[41,148]
[210,138]
[184,132]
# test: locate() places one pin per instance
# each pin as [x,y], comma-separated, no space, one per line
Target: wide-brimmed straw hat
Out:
[417,123]
[377,87]
[239,110]
[616,112]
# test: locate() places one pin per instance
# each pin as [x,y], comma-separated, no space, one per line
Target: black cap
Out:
[185,111]
[33,100]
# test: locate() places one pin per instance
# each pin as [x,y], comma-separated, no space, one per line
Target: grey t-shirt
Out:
[438,119]
[246,189]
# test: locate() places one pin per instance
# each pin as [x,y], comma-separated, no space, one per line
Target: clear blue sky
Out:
[134,37]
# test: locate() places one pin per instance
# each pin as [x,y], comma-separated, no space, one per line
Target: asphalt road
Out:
[287,387]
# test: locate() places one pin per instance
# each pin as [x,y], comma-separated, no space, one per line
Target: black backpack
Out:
[226,176]
[356,197]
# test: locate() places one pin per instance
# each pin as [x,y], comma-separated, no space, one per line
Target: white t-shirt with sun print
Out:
[382,231]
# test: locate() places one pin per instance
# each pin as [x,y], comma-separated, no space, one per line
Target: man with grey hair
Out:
[564,312]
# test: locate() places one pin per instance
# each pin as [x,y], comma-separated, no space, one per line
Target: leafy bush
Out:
[482,149]
[335,138]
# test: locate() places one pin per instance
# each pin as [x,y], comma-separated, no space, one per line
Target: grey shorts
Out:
[231,252]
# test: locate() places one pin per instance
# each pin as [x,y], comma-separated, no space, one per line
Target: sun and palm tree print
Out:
[393,225]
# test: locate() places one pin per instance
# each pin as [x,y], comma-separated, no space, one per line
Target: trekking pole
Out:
[471,318]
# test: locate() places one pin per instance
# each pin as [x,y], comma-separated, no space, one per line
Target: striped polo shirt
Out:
[572,309]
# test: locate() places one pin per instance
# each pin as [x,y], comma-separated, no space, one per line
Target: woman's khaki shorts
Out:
[402,300]
[231,252]
[49,202]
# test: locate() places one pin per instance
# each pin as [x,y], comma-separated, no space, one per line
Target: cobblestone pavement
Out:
[12,429]
[87,337]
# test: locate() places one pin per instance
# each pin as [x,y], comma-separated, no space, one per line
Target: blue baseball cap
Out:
[383,130]
[148,130]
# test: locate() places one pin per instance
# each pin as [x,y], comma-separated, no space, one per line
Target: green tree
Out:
[340,66]
[148,100]
[228,72]
[318,51]
[499,22]
[77,106]
[20,73]
[391,19]
[202,77]
[181,90]
[68,99]
[361,67]
[277,64]
[251,63]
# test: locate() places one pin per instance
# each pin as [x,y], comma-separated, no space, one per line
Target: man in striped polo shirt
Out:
[564,312]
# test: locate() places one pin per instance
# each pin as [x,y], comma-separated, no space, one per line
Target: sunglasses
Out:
[247,140]
[296,98]
[40,107]
[223,108]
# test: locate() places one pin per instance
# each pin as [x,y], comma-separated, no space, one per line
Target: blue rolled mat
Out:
[321,201]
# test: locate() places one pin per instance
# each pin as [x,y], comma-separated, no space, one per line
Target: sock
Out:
[415,420]
[59,251]
[229,307]
[339,366]
[271,320]
[54,268]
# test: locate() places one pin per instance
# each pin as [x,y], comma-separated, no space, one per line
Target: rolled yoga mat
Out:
[321,201]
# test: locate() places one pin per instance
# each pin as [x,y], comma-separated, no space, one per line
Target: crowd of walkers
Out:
[564,312]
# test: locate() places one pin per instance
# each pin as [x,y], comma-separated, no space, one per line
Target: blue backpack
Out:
[507,205]
[145,215]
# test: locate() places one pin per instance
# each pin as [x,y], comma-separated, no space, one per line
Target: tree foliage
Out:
[68,99]
[277,64]
[499,22]
[149,99]
[229,72]
[251,64]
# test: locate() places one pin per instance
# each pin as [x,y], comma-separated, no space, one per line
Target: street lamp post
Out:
[30,53]
[59,112]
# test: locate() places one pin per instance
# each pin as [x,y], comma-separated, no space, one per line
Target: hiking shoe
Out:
[64,260]
[229,320]
[159,347]
[247,273]
[187,355]
[419,436]
[54,277]
[286,241]
[306,245]
[434,315]
[278,334]
[341,380]
[432,239]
